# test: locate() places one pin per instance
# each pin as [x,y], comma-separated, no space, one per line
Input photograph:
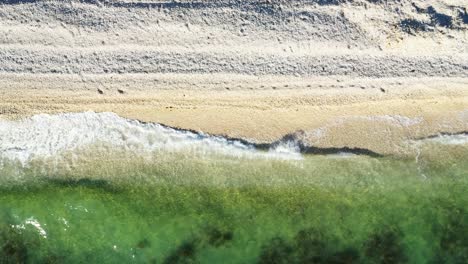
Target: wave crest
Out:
[45,136]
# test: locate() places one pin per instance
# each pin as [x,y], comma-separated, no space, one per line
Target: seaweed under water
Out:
[322,210]
[112,205]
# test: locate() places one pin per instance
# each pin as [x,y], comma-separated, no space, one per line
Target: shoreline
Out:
[332,74]
[332,112]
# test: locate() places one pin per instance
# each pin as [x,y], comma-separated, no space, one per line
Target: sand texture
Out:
[329,73]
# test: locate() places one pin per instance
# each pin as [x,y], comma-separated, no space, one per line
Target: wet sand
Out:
[376,114]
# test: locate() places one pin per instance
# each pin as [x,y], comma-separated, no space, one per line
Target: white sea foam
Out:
[459,139]
[342,155]
[45,136]
[34,223]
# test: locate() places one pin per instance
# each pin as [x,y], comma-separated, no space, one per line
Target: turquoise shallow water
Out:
[118,208]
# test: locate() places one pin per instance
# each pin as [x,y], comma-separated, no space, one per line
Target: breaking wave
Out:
[46,136]
[455,139]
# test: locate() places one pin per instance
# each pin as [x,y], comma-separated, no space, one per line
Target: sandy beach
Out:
[375,114]
[335,75]
[355,74]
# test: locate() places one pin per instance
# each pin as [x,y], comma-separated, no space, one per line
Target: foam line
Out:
[45,136]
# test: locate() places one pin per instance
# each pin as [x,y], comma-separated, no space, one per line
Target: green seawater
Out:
[117,208]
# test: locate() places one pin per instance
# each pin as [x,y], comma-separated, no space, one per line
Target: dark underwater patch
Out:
[347,256]
[309,246]
[144,243]
[13,247]
[277,251]
[217,237]
[18,245]
[185,253]
[454,240]
[386,247]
